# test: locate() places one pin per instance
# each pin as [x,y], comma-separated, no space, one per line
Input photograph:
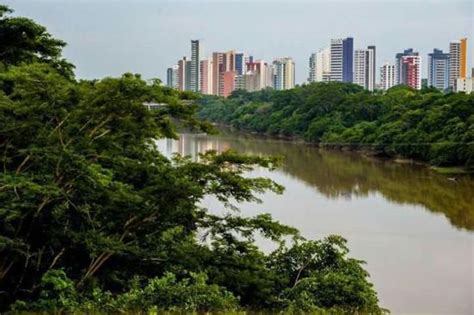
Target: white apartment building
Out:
[387,76]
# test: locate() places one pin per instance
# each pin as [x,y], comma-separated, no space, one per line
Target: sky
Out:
[111,37]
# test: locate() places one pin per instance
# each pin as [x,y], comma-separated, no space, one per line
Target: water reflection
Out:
[393,216]
[344,175]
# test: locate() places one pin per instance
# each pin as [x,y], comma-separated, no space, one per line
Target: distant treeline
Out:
[425,125]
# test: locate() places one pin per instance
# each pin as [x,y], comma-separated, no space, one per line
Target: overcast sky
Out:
[110,37]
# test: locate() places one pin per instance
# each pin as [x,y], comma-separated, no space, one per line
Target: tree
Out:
[23,40]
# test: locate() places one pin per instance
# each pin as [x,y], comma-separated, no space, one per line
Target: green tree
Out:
[23,40]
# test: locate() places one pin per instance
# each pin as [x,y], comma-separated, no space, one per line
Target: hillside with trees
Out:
[94,218]
[425,125]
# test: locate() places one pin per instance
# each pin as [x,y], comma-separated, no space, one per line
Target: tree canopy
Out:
[23,40]
[424,125]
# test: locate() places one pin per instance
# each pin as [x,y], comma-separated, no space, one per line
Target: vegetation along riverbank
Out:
[426,126]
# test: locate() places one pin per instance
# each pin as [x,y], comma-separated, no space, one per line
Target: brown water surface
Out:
[413,227]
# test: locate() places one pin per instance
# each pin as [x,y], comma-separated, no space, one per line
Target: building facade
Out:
[438,69]
[241,60]
[172,77]
[217,70]
[364,68]
[372,68]
[320,65]
[347,59]
[188,76]
[336,59]
[312,68]
[399,64]
[457,61]
[222,62]
[465,85]
[252,82]
[408,68]
[283,73]
[182,72]
[411,71]
[360,67]
[342,54]
[259,68]
[228,83]
[206,76]
[195,64]
[387,76]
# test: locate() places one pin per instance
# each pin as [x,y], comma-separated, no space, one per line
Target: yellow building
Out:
[463,58]
[457,61]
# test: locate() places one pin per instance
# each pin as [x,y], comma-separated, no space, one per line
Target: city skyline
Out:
[223,72]
[145,37]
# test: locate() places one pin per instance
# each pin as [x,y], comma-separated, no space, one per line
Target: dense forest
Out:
[93,218]
[425,125]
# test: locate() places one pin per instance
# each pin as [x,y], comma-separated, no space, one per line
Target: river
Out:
[413,227]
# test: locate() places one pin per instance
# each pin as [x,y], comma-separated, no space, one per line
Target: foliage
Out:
[322,277]
[190,294]
[88,202]
[423,125]
[23,40]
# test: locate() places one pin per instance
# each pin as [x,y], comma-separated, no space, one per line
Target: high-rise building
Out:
[257,67]
[438,69]
[229,60]
[342,54]
[360,67]
[387,76]
[217,67]
[268,82]
[411,71]
[408,68]
[172,77]
[188,76]
[320,65]
[312,68]
[463,59]
[372,67]
[347,59]
[284,73]
[169,77]
[206,76]
[227,66]
[241,60]
[457,61]
[399,64]
[364,67]
[336,59]
[182,71]
[222,62]
[258,75]
[239,63]
[195,63]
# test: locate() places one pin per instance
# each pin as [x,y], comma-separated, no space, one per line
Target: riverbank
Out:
[365,152]
[401,124]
